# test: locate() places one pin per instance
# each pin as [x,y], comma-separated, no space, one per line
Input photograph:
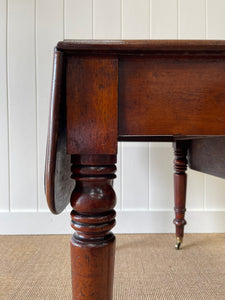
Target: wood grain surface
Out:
[172,95]
[208,156]
[58,185]
[92,109]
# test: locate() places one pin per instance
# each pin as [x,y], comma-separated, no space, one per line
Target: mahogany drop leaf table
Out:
[108,91]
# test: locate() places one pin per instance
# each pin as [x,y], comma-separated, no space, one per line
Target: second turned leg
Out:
[180,182]
[93,217]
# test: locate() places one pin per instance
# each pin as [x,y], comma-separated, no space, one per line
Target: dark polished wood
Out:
[128,47]
[58,184]
[93,217]
[174,95]
[94,80]
[208,156]
[180,184]
[109,91]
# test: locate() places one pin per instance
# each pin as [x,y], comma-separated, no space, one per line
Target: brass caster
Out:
[178,243]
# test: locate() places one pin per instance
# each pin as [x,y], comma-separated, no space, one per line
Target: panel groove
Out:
[178,19]
[121,19]
[150,8]
[93,19]
[7,95]
[206,19]
[150,19]
[36,95]
[64,19]
[8,113]
[122,175]
[149,178]
[5,123]
[204,192]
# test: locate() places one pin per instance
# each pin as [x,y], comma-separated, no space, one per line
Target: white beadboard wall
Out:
[29,30]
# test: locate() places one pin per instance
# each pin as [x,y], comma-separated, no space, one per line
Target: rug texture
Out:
[147,267]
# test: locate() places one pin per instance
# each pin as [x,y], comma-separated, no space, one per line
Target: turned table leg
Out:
[180,182]
[93,245]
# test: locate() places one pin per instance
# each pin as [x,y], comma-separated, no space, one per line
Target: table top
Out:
[148,90]
[142,46]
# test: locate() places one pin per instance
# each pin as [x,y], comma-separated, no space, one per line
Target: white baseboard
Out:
[127,222]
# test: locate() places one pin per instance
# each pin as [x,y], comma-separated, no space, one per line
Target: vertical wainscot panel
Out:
[118,181]
[215,187]
[136,19]
[161,178]
[22,104]
[106,20]
[78,19]
[163,19]
[135,176]
[49,32]
[215,19]
[214,193]
[192,19]
[195,190]
[4,159]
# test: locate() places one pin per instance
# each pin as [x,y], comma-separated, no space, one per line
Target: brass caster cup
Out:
[178,243]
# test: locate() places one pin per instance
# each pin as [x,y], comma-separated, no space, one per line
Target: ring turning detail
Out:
[180,183]
[93,217]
